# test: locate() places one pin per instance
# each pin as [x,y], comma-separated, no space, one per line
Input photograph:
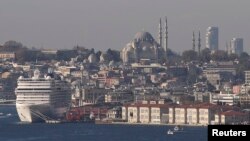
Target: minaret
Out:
[199,44]
[227,49]
[166,37]
[193,40]
[230,48]
[160,34]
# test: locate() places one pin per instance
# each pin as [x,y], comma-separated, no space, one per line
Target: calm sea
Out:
[12,130]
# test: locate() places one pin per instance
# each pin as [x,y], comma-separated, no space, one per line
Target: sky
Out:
[103,24]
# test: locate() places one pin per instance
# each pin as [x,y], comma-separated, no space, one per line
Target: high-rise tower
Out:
[160,33]
[227,49]
[237,46]
[212,38]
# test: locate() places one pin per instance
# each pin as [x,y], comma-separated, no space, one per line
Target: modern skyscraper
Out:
[237,46]
[212,38]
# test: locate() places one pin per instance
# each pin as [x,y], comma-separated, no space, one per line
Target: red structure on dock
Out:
[86,113]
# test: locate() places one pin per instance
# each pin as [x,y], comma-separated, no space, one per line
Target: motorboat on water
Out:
[177,128]
[170,132]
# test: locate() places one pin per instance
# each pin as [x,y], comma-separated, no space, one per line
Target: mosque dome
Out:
[112,63]
[92,58]
[143,36]
[103,57]
[130,48]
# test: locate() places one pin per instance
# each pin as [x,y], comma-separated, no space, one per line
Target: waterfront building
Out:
[171,115]
[125,113]
[114,113]
[202,114]
[231,117]
[159,113]
[198,114]
[192,115]
[181,115]
[212,38]
[206,114]
[146,112]
[133,114]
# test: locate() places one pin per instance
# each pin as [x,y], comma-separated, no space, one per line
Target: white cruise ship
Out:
[42,98]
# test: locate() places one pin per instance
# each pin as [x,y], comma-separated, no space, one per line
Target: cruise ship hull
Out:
[39,112]
[39,99]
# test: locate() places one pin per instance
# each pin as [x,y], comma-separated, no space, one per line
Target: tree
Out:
[244,57]
[98,54]
[13,44]
[205,55]
[172,58]
[113,55]
[189,55]
[219,55]
[92,51]
[232,57]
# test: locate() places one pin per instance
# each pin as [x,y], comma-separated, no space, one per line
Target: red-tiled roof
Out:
[233,113]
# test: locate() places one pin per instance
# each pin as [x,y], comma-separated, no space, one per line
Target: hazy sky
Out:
[103,24]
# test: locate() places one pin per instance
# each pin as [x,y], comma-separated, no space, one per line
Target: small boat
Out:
[170,132]
[177,128]
[53,121]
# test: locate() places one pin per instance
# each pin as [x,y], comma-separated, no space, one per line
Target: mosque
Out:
[144,47]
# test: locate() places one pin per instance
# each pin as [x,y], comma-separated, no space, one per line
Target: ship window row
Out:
[23,98]
[33,80]
[34,89]
[19,101]
[36,82]
[32,100]
[32,94]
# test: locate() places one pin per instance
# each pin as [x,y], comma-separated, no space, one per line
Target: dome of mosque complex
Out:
[142,47]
